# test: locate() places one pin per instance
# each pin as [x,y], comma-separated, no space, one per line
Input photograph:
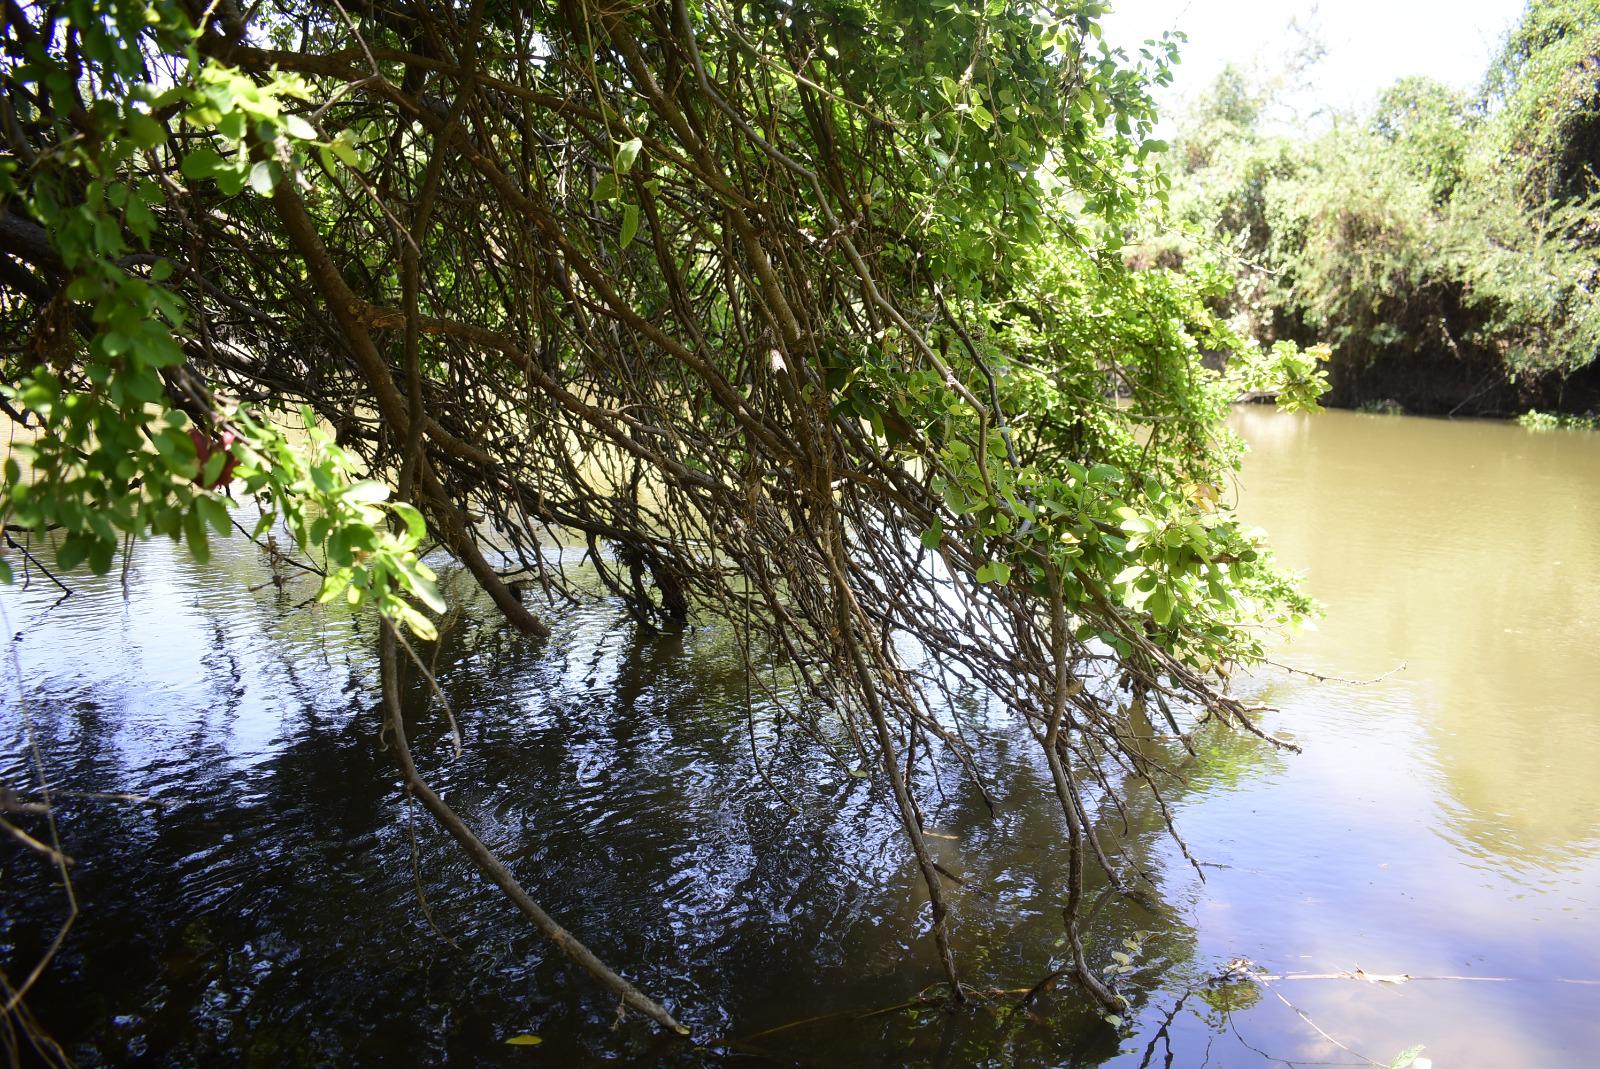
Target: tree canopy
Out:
[1446,244]
[814,316]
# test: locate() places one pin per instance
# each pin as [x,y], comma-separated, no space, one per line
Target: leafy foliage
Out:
[1445,245]
[128,440]
[826,308]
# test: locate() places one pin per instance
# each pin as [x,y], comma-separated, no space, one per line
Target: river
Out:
[247,872]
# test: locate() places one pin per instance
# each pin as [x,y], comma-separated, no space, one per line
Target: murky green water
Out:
[260,909]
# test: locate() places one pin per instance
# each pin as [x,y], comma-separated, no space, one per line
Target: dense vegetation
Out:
[1446,245]
[816,318]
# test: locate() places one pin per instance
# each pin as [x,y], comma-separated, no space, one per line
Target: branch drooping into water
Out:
[756,298]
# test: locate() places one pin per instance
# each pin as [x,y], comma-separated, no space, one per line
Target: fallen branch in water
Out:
[1320,678]
[55,856]
[928,996]
[1406,978]
[17,804]
[487,863]
[1245,970]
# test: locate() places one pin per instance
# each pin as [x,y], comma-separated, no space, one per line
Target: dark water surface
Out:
[258,905]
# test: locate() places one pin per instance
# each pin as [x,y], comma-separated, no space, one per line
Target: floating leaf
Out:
[524,1040]
[1407,1057]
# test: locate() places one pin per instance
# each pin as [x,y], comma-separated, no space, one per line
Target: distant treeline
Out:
[1446,245]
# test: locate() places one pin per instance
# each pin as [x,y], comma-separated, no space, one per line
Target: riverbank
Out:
[1443,384]
[1439,386]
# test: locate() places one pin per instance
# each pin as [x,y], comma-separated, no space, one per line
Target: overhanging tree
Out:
[813,316]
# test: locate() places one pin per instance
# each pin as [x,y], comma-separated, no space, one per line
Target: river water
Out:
[1427,872]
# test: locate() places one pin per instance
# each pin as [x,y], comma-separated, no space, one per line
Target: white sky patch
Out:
[1370,43]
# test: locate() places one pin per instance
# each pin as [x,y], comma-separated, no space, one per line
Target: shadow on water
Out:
[260,905]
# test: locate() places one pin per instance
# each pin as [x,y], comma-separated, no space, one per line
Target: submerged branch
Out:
[487,863]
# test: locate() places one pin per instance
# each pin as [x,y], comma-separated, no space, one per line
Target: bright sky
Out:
[1370,43]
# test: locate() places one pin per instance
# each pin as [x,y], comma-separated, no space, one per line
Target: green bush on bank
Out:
[1441,235]
[1535,420]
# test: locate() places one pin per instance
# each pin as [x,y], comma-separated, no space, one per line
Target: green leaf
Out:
[230,180]
[145,131]
[101,554]
[299,129]
[214,511]
[1128,575]
[997,572]
[73,549]
[338,547]
[336,583]
[262,179]
[194,530]
[212,470]
[344,147]
[1104,473]
[416,527]
[627,153]
[417,623]
[526,1040]
[204,163]
[1134,523]
[366,492]
[630,224]
[1161,605]
[144,386]
[423,587]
